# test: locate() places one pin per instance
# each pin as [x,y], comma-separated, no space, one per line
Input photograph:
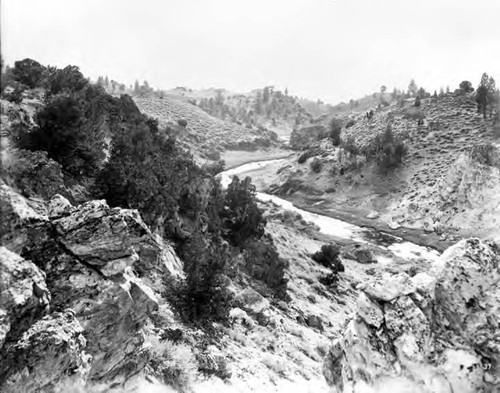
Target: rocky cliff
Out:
[88,269]
[437,331]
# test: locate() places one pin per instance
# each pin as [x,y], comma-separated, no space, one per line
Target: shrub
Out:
[328,256]
[67,135]
[175,364]
[217,365]
[316,165]
[466,87]
[182,122]
[387,150]
[28,72]
[350,146]
[241,216]
[204,296]
[350,123]
[414,113]
[67,79]
[303,157]
[308,154]
[263,263]
[329,280]
[334,132]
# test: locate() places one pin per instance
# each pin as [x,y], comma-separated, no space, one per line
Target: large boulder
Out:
[49,357]
[24,296]
[304,137]
[435,332]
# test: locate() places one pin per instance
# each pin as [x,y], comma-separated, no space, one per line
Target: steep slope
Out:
[205,135]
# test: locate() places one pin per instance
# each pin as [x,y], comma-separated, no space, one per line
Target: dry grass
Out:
[275,363]
[176,363]
[238,337]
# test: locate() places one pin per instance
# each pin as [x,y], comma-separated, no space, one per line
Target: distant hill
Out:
[205,135]
[264,108]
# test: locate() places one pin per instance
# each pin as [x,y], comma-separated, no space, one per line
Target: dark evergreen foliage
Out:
[241,215]
[334,131]
[28,72]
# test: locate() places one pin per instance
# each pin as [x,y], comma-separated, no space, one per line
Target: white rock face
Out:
[431,333]
[59,206]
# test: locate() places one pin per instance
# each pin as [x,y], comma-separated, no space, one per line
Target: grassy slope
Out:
[203,133]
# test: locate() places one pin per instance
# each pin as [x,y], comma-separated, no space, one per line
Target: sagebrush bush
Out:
[387,150]
[350,123]
[414,113]
[263,262]
[174,363]
[328,256]
[316,165]
[308,154]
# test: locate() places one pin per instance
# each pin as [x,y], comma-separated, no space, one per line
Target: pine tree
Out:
[412,88]
[486,95]
[106,81]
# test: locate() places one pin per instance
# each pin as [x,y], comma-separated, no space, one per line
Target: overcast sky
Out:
[328,49]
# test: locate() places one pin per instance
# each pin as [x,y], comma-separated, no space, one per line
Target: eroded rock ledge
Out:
[433,332]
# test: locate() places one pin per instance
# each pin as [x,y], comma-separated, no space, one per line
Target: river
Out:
[332,226]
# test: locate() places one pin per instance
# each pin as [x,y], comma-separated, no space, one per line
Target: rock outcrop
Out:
[434,332]
[24,296]
[17,219]
[49,357]
[100,270]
